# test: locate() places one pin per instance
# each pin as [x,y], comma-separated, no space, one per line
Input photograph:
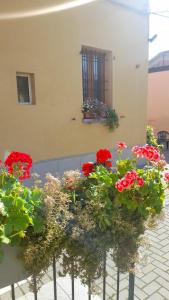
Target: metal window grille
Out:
[93,74]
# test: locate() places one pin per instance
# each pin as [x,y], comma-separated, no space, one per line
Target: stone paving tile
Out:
[140,293]
[149,277]
[163,282]
[139,283]
[164,293]
[151,288]
[157,296]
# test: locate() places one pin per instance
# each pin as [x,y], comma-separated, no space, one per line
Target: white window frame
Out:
[29,76]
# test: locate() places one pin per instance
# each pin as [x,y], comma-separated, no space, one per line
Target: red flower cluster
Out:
[149,152]
[121,146]
[128,180]
[102,157]
[87,168]
[19,164]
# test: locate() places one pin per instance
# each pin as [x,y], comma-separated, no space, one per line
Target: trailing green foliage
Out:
[19,210]
[112,119]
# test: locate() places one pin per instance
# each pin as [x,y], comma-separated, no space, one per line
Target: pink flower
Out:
[125,183]
[149,152]
[119,186]
[140,181]
[166,176]
[121,146]
[129,180]
[160,164]
[131,175]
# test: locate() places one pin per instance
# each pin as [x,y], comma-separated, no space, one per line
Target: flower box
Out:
[89,115]
[11,268]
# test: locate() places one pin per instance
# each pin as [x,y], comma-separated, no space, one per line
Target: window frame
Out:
[93,55]
[107,70]
[30,77]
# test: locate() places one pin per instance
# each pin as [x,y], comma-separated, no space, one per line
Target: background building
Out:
[41,86]
[158,96]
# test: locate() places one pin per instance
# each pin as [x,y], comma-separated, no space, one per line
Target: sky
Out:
[160,26]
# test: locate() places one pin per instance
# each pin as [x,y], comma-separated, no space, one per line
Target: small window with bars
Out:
[25,88]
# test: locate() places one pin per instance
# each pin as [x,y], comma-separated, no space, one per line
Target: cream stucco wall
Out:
[158,100]
[49,46]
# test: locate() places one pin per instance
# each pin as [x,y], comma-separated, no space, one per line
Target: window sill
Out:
[93,121]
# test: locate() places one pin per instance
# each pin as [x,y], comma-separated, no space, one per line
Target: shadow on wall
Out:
[58,166]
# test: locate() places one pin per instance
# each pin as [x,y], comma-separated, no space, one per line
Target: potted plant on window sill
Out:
[96,110]
[88,109]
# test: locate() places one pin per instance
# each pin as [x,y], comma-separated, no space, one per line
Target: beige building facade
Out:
[41,52]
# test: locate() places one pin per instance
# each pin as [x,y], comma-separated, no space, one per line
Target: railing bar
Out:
[104,276]
[73,283]
[35,288]
[54,279]
[89,291]
[13,292]
[131,286]
[118,283]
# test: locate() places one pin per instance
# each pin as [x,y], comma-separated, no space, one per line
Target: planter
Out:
[89,115]
[11,268]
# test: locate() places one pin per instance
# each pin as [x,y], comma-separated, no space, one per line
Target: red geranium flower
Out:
[103,155]
[87,168]
[121,146]
[19,164]
[108,164]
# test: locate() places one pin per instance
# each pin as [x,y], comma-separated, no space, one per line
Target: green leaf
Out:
[5,240]
[38,224]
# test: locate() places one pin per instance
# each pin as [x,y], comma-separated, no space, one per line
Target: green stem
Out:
[15,234]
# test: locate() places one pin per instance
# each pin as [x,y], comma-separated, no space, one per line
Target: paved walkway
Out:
[151,283]
[152,278]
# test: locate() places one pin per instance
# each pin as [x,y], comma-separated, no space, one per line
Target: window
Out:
[163,135]
[163,138]
[25,88]
[96,73]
